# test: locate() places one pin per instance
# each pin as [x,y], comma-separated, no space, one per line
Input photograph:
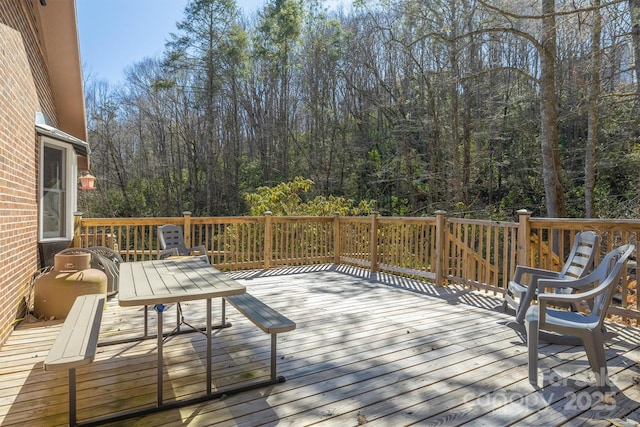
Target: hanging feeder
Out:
[87,182]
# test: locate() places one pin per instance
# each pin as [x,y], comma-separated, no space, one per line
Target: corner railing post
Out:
[374,242]
[268,250]
[336,238]
[77,230]
[524,230]
[187,228]
[441,246]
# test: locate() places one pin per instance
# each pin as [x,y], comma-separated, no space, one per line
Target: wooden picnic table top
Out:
[173,280]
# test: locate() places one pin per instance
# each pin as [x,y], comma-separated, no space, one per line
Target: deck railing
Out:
[475,253]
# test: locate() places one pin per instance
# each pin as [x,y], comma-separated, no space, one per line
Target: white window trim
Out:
[71,176]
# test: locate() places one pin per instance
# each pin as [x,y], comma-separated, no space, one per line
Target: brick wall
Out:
[23,91]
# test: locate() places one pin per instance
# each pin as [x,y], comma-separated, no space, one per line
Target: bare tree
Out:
[593,112]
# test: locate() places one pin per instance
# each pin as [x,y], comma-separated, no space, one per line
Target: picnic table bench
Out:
[264,317]
[77,342]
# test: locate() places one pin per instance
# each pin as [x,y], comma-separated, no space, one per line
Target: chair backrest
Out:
[170,236]
[582,255]
[612,265]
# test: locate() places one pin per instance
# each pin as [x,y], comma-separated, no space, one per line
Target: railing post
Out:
[524,230]
[336,238]
[268,250]
[77,230]
[187,228]
[441,246]
[374,242]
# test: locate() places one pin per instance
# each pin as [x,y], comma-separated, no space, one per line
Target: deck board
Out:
[380,349]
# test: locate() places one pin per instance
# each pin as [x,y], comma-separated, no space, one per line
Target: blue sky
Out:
[115,34]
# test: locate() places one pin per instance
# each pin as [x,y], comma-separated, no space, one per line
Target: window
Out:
[56,190]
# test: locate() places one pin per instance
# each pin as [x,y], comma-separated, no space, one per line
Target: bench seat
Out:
[77,342]
[264,317]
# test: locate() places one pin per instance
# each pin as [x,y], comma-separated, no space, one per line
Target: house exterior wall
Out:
[24,89]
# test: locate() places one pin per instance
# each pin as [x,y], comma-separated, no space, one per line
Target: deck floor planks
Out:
[452,362]
[394,350]
[298,418]
[588,396]
[462,349]
[384,388]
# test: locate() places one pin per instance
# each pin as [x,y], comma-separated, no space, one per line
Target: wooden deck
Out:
[383,350]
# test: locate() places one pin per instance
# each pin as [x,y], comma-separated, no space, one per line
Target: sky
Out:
[115,34]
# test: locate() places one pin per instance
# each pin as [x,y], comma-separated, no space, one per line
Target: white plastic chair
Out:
[172,239]
[599,287]
[520,295]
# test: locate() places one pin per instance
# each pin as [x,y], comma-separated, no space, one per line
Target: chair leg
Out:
[520,328]
[594,347]
[525,302]
[510,302]
[503,307]
[532,348]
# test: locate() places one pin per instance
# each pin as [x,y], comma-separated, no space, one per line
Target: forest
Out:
[476,107]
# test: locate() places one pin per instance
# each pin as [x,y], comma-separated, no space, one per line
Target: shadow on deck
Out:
[369,348]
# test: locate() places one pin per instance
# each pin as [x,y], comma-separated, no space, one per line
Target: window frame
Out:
[69,178]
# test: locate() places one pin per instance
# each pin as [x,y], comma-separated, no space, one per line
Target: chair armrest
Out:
[166,253]
[201,249]
[547,298]
[580,283]
[535,273]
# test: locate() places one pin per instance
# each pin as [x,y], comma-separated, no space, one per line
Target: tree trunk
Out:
[593,114]
[634,8]
[551,173]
